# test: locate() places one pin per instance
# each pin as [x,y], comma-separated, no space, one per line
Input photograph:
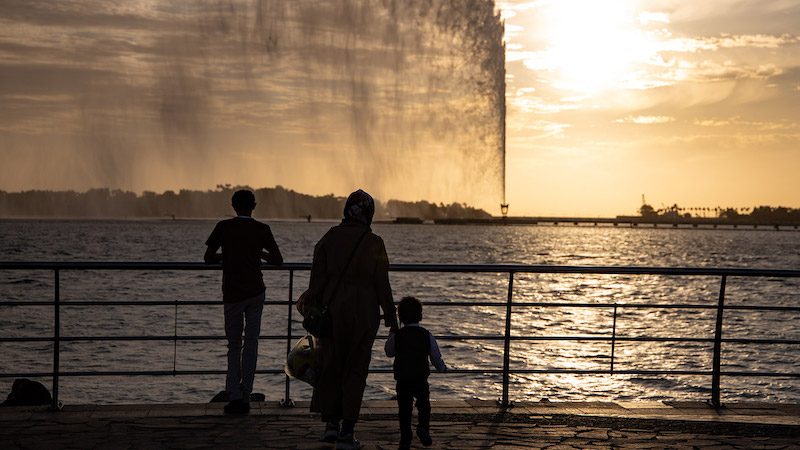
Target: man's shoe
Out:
[347,442]
[331,433]
[424,436]
[237,406]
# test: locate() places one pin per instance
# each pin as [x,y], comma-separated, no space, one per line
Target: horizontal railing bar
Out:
[444,268]
[133,338]
[613,305]
[428,303]
[120,373]
[761,308]
[132,303]
[440,337]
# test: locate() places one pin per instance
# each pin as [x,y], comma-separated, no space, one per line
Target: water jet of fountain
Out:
[403,98]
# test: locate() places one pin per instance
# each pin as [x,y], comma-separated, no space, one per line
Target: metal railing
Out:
[508,270]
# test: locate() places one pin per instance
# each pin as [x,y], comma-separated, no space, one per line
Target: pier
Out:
[456,425]
[620,221]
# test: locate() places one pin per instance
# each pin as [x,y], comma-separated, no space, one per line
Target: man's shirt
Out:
[242,240]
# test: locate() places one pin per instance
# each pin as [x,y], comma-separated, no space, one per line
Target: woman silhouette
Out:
[354,308]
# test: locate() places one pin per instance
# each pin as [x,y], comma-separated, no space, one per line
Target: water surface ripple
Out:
[154,240]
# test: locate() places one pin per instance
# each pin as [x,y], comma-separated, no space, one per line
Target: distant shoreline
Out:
[617,222]
[631,221]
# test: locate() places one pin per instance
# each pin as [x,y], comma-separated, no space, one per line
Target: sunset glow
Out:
[686,103]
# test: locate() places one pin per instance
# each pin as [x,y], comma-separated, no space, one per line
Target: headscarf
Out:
[359,208]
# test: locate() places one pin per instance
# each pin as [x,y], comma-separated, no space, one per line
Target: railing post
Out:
[56,336]
[715,371]
[504,402]
[613,338]
[287,401]
[175,341]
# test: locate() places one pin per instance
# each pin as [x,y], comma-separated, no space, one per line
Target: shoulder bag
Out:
[318,320]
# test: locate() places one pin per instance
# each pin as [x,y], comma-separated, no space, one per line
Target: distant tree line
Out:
[759,214]
[276,202]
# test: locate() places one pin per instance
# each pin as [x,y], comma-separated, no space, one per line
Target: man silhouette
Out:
[244,242]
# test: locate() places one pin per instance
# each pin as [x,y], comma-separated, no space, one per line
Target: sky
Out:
[682,102]
[687,102]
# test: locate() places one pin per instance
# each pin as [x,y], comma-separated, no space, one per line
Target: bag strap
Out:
[346,266]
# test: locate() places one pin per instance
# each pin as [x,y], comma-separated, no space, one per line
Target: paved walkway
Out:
[470,424]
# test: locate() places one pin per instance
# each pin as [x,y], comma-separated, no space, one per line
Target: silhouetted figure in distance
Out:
[411,346]
[244,242]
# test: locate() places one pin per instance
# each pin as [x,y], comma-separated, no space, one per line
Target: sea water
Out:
[183,240]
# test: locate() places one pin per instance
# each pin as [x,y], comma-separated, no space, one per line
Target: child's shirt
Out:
[411,347]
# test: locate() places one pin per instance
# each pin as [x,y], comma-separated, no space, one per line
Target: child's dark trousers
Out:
[407,391]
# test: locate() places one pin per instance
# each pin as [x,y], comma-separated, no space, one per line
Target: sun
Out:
[592,46]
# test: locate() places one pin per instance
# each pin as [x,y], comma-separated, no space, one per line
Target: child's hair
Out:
[409,310]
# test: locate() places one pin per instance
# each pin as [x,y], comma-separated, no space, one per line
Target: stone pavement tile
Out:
[15,415]
[288,412]
[475,402]
[757,412]
[102,413]
[644,404]
[457,403]
[369,411]
[688,404]
[641,435]
[132,407]
[59,417]
[512,447]
[80,408]
[506,432]
[565,410]
[535,410]
[611,405]
[577,442]
[611,412]
[764,420]
[750,405]
[385,403]
[658,411]
[486,410]
[593,434]
[176,412]
[789,408]
[636,445]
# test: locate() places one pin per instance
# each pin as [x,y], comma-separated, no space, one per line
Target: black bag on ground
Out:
[25,392]
[317,319]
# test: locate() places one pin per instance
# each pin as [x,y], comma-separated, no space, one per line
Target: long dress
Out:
[355,310]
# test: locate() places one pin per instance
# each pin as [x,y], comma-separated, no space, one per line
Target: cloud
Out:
[713,71]
[540,129]
[681,70]
[646,120]
[744,125]
[694,45]
[712,122]
[523,101]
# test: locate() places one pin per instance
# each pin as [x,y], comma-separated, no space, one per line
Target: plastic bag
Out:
[301,362]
